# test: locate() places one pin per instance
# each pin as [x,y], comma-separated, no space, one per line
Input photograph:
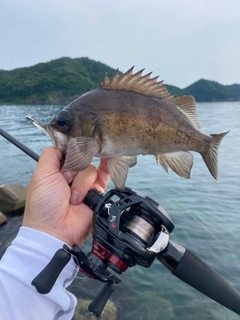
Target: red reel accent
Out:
[104,254]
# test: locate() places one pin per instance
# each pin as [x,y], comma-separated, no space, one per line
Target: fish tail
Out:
[211,156]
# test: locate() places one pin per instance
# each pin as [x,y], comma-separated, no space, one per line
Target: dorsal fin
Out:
[187,105]
[146,85]
[136,82]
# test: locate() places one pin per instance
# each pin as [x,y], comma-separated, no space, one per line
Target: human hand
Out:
[52,206]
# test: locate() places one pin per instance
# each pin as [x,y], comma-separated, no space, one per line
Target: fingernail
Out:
[75,197]
[67,176]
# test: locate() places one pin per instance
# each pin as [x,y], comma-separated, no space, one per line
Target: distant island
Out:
[62,80]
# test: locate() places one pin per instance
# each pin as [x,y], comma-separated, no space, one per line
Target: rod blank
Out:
[19,144]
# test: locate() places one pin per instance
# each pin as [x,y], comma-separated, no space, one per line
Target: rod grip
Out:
[200,276]
[45,280]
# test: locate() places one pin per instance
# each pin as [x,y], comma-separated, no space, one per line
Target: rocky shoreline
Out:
[12,200]
[12,203]
[3,218]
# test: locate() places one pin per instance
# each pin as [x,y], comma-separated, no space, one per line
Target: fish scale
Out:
[127,116]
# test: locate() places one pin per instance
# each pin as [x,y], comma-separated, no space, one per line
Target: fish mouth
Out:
[39,124]
[59,139]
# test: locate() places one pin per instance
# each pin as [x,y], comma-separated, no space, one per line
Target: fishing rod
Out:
[19,144]
[130,230]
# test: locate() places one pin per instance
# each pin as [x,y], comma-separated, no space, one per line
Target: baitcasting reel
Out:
[129,229]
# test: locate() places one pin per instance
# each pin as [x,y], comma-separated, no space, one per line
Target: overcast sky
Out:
[179,40]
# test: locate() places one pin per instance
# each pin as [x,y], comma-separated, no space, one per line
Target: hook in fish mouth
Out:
[59,139]
[39,124]
[30,118]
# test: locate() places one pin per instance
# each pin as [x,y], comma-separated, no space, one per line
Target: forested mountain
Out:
[205,90]
[57,81]
[62,80]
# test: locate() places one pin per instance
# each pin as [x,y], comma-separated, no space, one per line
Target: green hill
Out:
[175,91]
[57,81]
[64,79]
[205,90]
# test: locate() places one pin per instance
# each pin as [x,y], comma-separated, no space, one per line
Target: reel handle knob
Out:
[45,280]
[97,305]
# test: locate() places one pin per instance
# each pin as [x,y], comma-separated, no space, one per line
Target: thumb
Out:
[49,161]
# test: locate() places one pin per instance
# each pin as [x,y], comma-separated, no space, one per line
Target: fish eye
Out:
[64,121]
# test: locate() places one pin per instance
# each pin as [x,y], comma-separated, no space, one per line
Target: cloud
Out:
[180,40]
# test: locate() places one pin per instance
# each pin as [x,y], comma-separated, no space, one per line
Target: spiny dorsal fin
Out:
[136,82]
[146,85]
[105,81]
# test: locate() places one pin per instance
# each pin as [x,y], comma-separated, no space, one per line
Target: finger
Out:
[49,161]
[69,176]
[82,184]
[103,176]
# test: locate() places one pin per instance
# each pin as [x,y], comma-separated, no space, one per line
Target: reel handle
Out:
[45,280]
[98,304]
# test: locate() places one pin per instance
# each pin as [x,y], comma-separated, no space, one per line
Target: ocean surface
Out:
[205,212]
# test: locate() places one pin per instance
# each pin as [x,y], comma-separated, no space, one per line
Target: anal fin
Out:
[180,162]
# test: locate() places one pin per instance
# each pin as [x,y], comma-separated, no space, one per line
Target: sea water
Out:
[205,212]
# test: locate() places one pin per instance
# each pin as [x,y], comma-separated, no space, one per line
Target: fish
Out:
[130,115]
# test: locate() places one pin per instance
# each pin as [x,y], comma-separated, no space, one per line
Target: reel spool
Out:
[127,229]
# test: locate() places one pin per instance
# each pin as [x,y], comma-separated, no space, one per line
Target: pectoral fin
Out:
[118,170]
[180,162]
[80,152]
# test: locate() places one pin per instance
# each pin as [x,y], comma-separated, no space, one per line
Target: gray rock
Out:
[82,313]
[12,198]
[3,218]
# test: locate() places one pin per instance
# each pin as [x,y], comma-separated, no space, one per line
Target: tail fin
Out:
[211,157]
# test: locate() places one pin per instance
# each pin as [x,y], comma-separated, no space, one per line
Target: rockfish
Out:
[127,116]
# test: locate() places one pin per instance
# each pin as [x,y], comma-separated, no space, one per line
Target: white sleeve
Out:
[27,256]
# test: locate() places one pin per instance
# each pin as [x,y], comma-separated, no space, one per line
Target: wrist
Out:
[28,255]
[58,235]
[72,228]
[30,251]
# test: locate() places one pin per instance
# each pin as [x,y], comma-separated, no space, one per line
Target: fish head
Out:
[72,133]
[58,129]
